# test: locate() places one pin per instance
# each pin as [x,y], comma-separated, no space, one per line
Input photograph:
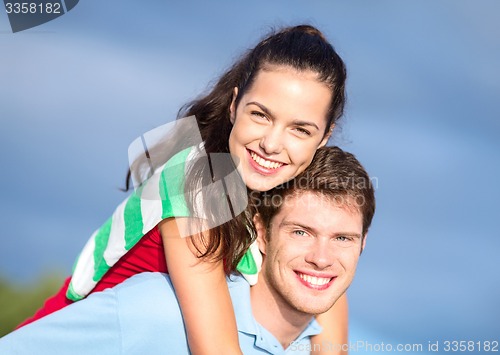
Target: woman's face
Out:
[278,125]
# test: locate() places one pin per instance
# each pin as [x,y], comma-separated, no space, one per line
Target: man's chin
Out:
[314,307]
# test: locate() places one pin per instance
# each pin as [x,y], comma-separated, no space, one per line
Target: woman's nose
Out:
[272,141]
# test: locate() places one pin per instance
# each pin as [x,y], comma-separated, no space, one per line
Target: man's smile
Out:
[316,282]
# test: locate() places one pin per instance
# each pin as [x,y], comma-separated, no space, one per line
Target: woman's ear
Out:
[260,229]
[327,136]
[232,107]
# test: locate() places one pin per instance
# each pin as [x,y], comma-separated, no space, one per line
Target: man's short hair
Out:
[333,174]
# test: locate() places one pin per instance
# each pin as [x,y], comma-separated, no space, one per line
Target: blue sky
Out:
[423,117]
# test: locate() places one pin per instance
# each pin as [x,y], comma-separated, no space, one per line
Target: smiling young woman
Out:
[278,125]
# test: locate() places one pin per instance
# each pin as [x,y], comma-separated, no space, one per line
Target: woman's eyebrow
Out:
[262,107]
[305,123]
[300,123]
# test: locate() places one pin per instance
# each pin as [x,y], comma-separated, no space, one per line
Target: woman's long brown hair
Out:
[299,47]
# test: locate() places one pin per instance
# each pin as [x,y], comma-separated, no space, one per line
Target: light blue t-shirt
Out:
[139,316]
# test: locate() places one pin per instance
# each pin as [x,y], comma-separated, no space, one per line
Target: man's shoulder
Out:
[151,294]
[155,280]
[237,281]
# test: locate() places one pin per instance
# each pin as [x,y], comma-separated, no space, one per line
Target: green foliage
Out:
[18,302]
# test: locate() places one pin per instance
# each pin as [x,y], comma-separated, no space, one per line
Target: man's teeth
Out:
[313,280]
[265,163]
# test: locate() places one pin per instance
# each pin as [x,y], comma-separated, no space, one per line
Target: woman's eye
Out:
[303,131]
[259,114]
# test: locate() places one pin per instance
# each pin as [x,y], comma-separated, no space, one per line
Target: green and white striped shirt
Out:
[161,197]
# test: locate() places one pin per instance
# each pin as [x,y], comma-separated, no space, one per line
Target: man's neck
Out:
[278,317]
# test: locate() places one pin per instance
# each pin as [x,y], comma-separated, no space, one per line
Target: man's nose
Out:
[321,254]
[272,140]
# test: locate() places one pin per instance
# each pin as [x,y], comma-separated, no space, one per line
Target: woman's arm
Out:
[335,332]
[202,292]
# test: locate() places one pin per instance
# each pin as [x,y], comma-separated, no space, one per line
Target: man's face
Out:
[311,252]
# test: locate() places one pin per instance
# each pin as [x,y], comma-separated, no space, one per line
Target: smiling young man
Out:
[310,231]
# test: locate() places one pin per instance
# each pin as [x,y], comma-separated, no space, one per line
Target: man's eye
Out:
[342,238]
[299,233]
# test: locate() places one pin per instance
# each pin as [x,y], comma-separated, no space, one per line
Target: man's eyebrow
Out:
[300,123]
[347,234]
[286,223]
[313,230]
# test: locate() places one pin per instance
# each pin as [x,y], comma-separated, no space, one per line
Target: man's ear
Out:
[260,229]
[327,136]
[232,107]
[363,243]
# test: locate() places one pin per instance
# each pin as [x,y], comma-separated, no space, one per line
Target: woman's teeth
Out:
[265,163]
